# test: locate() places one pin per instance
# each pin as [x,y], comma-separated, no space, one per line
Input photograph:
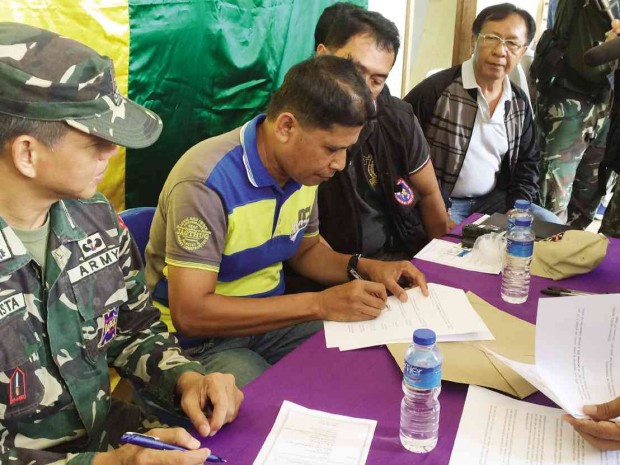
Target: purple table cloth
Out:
[366,383]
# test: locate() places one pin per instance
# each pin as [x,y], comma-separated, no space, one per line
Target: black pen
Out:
[151,442]
[560,291]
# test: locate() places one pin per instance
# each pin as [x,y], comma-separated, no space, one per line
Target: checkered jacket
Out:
[447,112]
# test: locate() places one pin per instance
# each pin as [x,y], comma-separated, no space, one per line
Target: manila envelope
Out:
[469,363]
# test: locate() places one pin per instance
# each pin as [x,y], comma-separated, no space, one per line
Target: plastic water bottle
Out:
[419,410]
[521,210]
[516,271]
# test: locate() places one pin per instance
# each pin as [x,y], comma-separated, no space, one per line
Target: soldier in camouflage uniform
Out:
[72,295]
[571,115]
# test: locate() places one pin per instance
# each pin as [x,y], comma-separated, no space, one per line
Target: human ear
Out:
[285,126]
[24,153]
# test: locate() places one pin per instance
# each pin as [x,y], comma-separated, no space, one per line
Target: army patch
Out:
[11,305]
[17,387]
[5,252]
[94,264]
[403,193]
[91,245]
[192,233]
[110,319]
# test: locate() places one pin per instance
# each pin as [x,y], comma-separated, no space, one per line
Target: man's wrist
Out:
[352,267]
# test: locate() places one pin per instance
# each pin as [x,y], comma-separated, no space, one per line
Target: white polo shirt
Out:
[489,141]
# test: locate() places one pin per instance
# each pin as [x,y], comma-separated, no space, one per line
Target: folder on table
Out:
[468,362]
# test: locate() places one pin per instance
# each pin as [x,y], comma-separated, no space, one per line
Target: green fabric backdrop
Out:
[206,67]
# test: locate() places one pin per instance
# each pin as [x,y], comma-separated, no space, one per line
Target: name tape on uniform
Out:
[11,304]
[94,264]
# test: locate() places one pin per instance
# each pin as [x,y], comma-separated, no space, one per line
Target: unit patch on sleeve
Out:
[110,319]
[17,387]
[403,193]
[192,233]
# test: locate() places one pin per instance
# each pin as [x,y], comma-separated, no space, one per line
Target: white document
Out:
[576,339]
[499,430]
[451,254]
[446,311]
[302,436]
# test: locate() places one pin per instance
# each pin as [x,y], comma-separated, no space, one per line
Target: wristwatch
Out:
[352,267]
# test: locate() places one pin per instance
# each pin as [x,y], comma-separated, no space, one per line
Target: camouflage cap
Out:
[44,76]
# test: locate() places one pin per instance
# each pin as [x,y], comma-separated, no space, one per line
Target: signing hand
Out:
[218,389]
[390,273]
[604,435]
[354,301]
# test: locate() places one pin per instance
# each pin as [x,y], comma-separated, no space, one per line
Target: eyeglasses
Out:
[491,40]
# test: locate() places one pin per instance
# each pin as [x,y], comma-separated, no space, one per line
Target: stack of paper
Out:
[306,437]
[470,363]
[446,311]
[576,338]
[495,429]
[451,254]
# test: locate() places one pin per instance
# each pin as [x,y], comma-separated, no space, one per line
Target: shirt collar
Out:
[255,170]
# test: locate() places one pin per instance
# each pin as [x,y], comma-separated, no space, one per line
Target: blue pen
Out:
[151,442]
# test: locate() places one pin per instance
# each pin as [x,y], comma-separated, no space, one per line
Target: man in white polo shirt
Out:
[479,126]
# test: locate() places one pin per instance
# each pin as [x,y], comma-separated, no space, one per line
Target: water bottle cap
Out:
[522,204]
[424,337]
[523,222]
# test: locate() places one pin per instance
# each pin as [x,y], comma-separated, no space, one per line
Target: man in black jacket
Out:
[386,203]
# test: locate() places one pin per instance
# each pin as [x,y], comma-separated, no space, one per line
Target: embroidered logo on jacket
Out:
[403,193]
[369,164]
[192,233]
[17,387]
[91,245]
[110,319]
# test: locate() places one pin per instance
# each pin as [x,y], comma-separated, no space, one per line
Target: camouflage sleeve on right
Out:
[143,350]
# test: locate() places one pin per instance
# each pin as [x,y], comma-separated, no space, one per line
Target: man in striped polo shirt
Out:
[236,206]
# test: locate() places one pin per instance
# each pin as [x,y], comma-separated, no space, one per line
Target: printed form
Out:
[446,311]
[576,342]
[302,436]
[451,254]
[499,430]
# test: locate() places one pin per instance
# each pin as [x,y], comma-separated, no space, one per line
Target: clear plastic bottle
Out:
[522,209]
[419,409]
[517,260]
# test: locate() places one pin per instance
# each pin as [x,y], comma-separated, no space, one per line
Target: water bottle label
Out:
[422,378]
[523,249]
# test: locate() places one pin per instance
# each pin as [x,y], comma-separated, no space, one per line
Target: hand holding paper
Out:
[576,361]
[598,432]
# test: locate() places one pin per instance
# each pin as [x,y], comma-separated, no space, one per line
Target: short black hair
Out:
[502,11]
[354,21]
[328,17]
[324,91]
[47,132]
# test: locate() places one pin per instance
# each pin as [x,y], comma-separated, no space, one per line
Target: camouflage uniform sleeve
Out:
[143,350]
[21,456]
